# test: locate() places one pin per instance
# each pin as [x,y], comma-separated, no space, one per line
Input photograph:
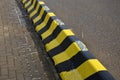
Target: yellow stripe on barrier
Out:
[56,42]
[28,3]
[90,67]
[36,10]
[41,2]
[23,1]
[72,50]
[50,30]
[32,6]
[39,27]
[71,75]
[85,70]
[39,16]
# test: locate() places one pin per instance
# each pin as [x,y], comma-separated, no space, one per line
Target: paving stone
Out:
[12,74]
[20,76]
[4,71]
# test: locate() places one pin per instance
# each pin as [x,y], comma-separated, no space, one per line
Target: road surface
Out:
[97,24]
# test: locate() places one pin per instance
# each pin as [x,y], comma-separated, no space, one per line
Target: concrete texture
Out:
[97,24]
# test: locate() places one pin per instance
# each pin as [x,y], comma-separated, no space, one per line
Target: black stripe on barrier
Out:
[48,25]
[101,75]
[42,18]
[30,4]
[74,62]
[54,34]
[34,7]
[63,46]
[39,10]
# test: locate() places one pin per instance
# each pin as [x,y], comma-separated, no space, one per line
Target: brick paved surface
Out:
[18,56]
[19,59]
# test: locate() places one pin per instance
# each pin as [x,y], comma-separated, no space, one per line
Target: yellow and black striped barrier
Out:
[71,58]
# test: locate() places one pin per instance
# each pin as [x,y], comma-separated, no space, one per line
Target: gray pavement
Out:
[20,57]
[97,24]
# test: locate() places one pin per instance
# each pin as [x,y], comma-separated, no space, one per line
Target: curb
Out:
[71,58]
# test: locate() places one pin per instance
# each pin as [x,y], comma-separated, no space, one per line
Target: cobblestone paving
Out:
[19,58]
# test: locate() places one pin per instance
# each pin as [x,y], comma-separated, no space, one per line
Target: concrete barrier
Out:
[71,58]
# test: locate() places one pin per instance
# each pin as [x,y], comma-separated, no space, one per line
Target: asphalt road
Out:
[97,24]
